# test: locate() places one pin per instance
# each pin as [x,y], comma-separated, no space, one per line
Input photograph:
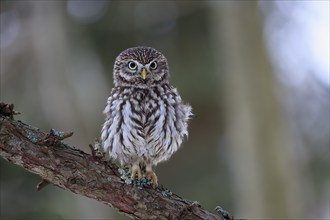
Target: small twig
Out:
[223,213]
[54,137]
[8,110]
[42,184]
[92,150]
[60,135]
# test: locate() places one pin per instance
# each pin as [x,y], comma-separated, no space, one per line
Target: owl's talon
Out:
[152,176]
[136,172]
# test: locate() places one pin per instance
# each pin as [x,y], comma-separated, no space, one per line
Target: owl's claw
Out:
[136,171]
[152,176]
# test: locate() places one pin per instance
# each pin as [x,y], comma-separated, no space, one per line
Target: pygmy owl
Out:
[146,119]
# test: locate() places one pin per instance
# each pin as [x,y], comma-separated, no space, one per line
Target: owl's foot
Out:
[152,176]
[136,172]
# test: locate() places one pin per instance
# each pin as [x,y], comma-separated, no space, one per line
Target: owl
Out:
[145,117]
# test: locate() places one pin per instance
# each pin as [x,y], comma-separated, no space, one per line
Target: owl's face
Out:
[140,67]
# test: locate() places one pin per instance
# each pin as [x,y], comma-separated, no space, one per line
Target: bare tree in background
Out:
[59,80]
[265,176]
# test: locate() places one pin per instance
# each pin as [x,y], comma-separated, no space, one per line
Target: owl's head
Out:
[140,67]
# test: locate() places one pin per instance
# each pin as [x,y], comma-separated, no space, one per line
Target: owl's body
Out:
[146,120]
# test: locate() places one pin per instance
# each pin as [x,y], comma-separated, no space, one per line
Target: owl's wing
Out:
[183,112]
[109,113]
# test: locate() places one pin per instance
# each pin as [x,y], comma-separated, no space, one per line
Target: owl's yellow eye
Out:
[153,65]
[132,65]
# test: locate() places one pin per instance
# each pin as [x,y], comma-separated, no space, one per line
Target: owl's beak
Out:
[144,74]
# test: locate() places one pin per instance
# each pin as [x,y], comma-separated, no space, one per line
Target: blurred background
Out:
[255,72]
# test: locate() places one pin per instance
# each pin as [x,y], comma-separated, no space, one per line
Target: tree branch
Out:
[57,163]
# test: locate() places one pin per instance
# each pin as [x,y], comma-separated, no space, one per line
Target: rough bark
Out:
[69,168]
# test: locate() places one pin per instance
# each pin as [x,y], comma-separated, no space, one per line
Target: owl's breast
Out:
[164,123]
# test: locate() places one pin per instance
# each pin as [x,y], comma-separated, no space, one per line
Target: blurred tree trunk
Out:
[59,87]
[265,183]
